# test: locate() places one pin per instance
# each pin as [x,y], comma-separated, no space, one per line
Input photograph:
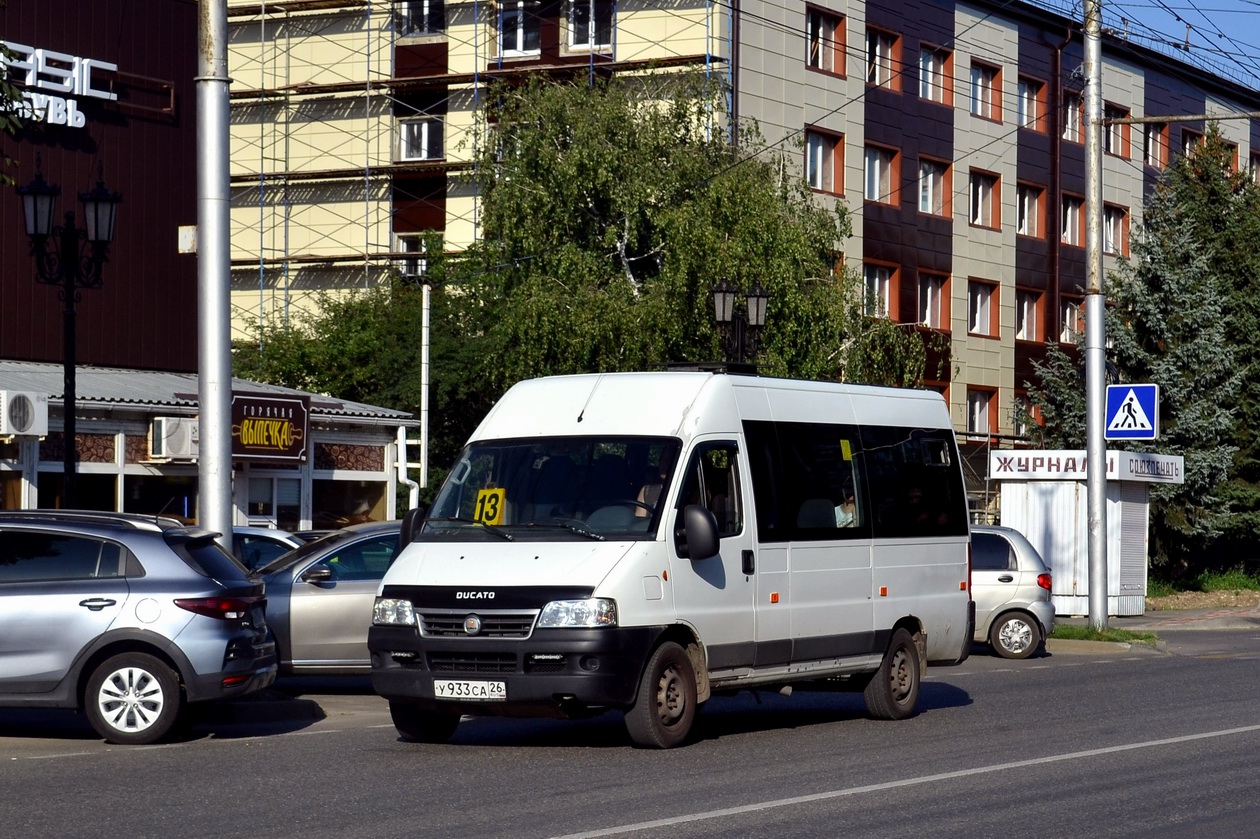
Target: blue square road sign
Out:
[1132,412]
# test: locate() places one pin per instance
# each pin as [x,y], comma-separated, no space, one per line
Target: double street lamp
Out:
[70,258]
[740,328]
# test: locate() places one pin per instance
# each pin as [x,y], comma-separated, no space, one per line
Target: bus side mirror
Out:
[698,537]
[412,520]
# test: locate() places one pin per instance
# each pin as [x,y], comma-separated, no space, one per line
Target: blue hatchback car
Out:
[127,618]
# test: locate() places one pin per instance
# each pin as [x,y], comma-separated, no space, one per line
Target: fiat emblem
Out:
[472,625]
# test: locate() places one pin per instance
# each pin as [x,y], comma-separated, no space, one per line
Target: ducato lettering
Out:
[474,595]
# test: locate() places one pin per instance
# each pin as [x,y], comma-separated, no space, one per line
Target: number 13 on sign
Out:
[490,504]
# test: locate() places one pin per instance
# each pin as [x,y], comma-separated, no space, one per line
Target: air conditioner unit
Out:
[174,438]
[23,413]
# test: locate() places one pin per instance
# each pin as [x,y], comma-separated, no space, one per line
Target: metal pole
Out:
[1095,328]
[424,387]
[214,388]
[69,243]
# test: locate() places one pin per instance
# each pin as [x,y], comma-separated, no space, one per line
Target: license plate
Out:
[457,689]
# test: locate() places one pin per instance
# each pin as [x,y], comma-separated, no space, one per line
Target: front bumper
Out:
[554,672]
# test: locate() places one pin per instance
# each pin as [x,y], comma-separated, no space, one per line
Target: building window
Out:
[420,139]
[981,307]
[933,309]
[984,200]
[934,72]
[823,156]
[590,24]
[412,268]
[1073,221]
[933,188]
[1028,209]
[1029,105]
[881,180]
[1190,141]
[420,17]
[1155,144]
[824,49]
[1027,323]
[877,284]
[1115,231]
[1025,415]
[881,59]
[1116,135]
[519,29]
[986,99]
[1072,113]
[1071,321]
[1232,150]
[979,415]
[1254,170]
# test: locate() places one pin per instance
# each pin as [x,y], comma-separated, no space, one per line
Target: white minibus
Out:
[638,542]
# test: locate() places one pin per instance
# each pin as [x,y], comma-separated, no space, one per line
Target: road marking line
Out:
[907,782]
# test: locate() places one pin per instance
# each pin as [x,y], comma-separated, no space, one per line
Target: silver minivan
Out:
[1010,585]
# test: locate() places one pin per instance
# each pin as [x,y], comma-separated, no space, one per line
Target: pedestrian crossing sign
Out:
[1132,412]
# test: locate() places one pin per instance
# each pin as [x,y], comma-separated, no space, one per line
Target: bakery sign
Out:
[266,427]
[53,83]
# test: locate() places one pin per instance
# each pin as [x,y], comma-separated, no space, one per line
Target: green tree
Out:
[1171,320]
[607,213]
[365,346]
[9,97]
[610,210]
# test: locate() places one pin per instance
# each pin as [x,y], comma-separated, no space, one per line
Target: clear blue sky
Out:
[1224,35]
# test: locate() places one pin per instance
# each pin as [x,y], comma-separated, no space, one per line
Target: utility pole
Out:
[1095,327]
[214,316]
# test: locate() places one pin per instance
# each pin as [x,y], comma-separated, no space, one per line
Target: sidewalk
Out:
[1246,617]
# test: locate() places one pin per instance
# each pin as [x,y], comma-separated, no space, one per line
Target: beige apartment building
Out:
[952,131]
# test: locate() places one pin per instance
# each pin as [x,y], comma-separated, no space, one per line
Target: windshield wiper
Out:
[495,529]
[572,528]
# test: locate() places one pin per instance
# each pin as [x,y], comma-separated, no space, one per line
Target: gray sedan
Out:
[320,597]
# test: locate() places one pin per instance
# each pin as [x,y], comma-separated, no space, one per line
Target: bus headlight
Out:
[595,612]
[390,611]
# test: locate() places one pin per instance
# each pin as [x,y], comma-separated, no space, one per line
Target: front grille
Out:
[472,663]
[443,623]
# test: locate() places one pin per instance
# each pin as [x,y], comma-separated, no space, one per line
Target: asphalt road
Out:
[1090,740]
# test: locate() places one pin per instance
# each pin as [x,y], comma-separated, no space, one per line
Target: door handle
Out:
[97,603]
[747,562]
[1006,578]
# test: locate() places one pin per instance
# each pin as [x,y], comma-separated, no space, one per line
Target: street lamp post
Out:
[70,258]
[741,329]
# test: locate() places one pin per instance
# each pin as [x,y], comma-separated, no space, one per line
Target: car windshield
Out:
[575,487]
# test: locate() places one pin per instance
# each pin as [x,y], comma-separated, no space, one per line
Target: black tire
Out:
[893,691]
[418,726]
[665,706]
[133,699]
[1015,635]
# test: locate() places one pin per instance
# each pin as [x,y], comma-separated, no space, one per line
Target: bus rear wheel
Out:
[893,691]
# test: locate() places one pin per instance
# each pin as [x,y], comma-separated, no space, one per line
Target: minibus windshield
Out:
[556,487]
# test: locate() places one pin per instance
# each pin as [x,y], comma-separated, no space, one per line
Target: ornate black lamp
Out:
[71,259]
[740,328]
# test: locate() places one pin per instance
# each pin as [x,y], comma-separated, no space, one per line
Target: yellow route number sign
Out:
[490,504]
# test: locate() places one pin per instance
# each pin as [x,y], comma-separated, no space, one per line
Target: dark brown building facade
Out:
[109,95]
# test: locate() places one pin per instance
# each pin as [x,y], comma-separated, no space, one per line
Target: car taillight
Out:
[1043,580]
[223,608]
